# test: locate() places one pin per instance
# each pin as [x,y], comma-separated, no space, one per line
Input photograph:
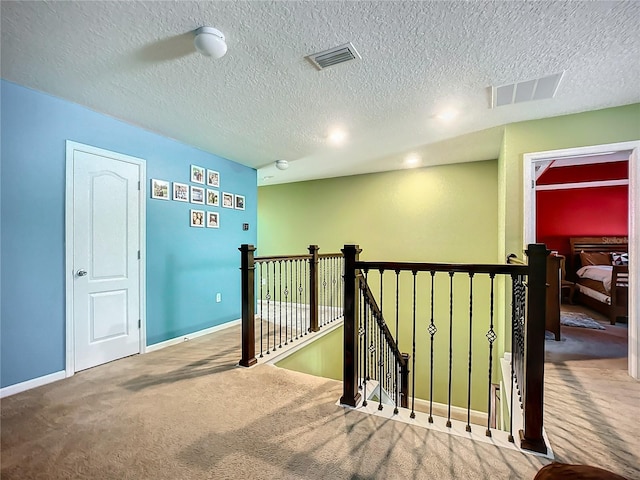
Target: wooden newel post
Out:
[350,395]
[531,436]
[404,381]
[313,288]
[247,268]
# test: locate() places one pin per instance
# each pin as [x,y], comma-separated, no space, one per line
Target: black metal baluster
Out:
[329,306]
[287,264]
[338,288]
[386,366]
[341,288]
[292,292]
[491,336]
[450,345]
[261,313]
[280,300]
[321,317]
[324,290]
[432,331]
[268,297]
[307,311]
[381,272]
[297,296]
[397,329]
[274,306]
[294,266]
[325,286]
[413,359]
[336,281]
[334,287]
[380,362]
[397,307]
[302,266]
[374,340]
[468,427]
[361,331]
[513,342]
[367,332]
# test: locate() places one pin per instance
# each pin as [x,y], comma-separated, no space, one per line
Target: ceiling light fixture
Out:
[210,42]
[412,160]
[337,137]
[282,164]
[447,115]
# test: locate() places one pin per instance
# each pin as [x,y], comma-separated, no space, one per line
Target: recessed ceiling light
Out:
[412,160]
[447,115]
[337,136]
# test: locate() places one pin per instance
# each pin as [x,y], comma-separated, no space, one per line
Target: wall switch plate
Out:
[218,297]
[245,226]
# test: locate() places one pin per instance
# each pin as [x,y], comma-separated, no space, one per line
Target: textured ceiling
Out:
[263,101]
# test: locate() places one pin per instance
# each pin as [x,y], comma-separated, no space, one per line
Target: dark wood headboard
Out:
[593,244]
[598,244]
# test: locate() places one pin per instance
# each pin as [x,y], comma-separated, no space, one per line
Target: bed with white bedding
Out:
[602,275]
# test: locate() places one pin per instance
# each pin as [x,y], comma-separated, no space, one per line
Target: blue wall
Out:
[186,266]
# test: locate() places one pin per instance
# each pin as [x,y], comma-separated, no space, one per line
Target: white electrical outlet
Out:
[218,297]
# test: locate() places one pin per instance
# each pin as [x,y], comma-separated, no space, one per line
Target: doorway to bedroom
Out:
[588,195]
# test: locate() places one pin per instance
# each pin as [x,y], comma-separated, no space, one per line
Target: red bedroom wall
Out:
[561,214]
[585,173]
[581,212]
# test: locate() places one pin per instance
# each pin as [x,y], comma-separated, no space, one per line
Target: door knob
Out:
[81,273]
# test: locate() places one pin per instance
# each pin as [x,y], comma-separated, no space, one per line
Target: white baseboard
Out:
[424,404]
[189,336]
[33,383]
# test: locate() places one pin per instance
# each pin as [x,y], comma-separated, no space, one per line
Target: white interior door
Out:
[105,265]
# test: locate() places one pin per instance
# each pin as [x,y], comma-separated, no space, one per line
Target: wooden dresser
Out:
[552,321]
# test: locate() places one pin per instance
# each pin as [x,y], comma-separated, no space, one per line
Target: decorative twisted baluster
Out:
[450,345]
[468,427]
[261,314]
[413,354]
[491,336]
[432,331]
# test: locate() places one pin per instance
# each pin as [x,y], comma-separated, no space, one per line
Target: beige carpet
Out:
[186,412]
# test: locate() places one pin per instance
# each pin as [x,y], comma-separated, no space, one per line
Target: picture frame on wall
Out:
[196,218]
[180,192]
[213,178]
[227,200]
[213,220]
[239,204]
[213,197]
[197,195]
[197,174]
[159,189]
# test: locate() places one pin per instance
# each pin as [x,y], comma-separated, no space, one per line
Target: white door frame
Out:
[529,195]
[69,244]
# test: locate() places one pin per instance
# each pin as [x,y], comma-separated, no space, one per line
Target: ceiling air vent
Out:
[537,89]
[334,56]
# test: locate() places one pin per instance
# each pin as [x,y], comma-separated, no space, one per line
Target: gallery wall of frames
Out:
[205,192]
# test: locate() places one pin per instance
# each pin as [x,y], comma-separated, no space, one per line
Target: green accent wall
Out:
[443,213]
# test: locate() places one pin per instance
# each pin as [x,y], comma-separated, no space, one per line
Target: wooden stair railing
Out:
[528,321]
[288,291]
